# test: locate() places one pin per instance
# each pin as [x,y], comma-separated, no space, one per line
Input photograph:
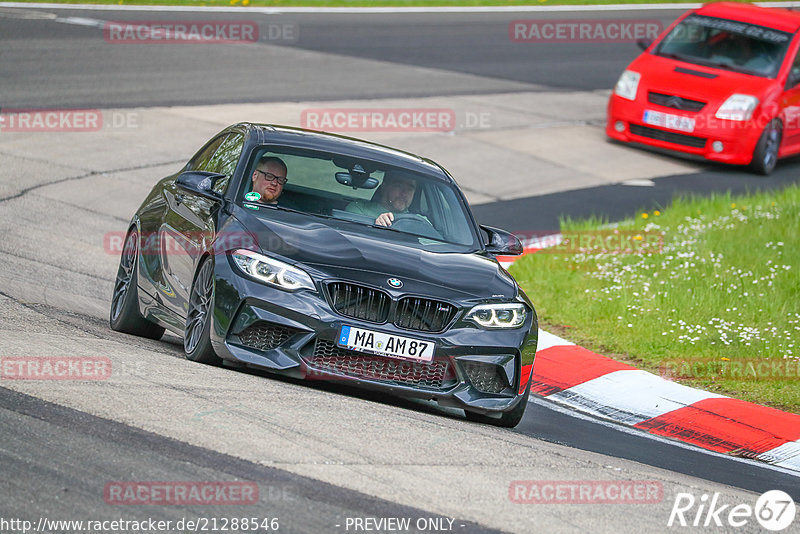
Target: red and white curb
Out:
[584,381]
[587,382]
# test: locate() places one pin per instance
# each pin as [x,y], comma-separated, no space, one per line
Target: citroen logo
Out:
[395,282]
[675,102]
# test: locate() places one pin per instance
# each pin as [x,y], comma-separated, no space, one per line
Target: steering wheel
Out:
[415,224]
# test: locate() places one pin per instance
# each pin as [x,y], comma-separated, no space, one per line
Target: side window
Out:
[794,74]
[201,159]
[225,159]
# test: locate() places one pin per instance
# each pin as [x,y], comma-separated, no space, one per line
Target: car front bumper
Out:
[714,139]
[295,334]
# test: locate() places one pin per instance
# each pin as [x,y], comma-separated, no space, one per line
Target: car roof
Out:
[339,144]
[775,18]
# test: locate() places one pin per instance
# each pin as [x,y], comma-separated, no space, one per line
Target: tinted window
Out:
[351,194]
[201,159]
[727,44]
[225,159]
[794,75]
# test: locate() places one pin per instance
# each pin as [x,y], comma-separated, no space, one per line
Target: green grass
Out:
[354,3]
[724,289]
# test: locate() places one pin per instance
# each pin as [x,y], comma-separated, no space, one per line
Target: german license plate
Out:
[669,121]
[384,344]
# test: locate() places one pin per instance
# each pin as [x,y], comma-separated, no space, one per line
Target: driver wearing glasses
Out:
[269,177]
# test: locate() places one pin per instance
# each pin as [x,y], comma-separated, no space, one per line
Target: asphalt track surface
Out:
[58,451]
[44,60]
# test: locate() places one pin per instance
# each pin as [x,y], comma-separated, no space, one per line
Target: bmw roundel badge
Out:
[395,282]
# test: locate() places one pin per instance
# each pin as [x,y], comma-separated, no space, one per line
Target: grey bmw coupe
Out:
[323,257]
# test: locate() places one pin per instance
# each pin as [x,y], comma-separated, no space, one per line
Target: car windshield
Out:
[727,44]
[352,194]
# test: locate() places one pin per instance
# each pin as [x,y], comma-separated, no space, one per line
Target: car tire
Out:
[124,315]
[197,334]
[508,419]
[765,156]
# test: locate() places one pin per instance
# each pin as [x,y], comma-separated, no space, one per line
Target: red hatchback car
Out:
[722,82]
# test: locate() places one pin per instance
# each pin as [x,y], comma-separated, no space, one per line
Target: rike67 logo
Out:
[774,510]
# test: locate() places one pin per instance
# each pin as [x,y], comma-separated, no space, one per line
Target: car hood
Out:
[343,254]
[707,84]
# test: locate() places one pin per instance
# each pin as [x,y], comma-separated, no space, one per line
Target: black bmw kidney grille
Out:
[485,377]
[675,102]
[264,336]
[433,375]
[373,305]
[360,302]
[423,314]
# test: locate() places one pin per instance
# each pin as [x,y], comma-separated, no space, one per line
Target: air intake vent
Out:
[485,377]
[670,137]
[437,374]
[693,72]
[264,336]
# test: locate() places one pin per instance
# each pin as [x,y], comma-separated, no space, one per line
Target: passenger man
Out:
[393,196]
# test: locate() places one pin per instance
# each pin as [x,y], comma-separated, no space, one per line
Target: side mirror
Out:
[200,183]
[502,243]
[794,78]
[644,44]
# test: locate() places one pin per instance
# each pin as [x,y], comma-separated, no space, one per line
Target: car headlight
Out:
[271,271]
[628,84]
[506,315]
[738,108]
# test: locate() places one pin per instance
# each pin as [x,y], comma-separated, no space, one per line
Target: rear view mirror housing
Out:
[356,180]
[200,183]
[502,243]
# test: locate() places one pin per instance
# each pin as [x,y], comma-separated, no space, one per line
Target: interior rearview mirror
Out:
[356,181]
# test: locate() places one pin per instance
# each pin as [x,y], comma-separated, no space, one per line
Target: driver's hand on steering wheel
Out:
[385,219]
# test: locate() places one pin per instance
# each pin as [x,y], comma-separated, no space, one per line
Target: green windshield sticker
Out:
[253,196]
[252,207]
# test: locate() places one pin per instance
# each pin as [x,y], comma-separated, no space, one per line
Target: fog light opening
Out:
[619,126]
[717,146]
[485,377]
